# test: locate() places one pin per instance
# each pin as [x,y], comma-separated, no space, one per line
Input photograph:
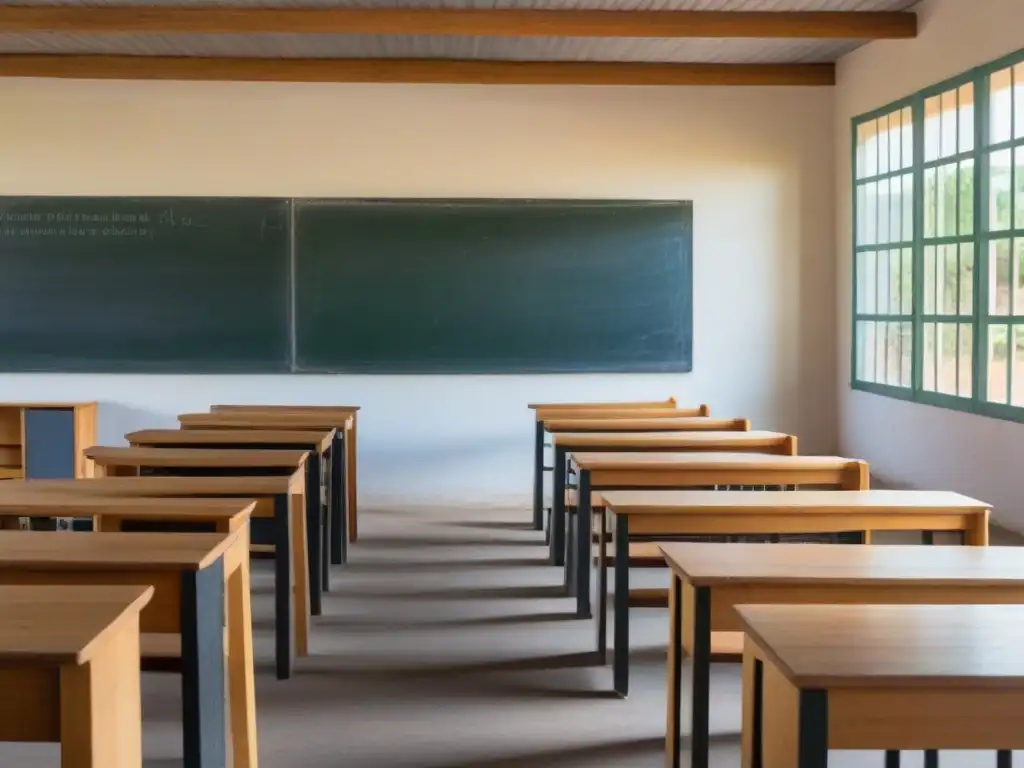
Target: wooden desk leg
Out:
[300,578]
[101,706]
[538,477]
[977,534]
[620,661]
[313,551]
[675,672]
[241,681]
[283,616]
[350,442]
[202,667]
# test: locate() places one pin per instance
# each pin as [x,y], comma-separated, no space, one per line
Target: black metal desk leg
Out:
[675,671]
[602,592]
[284,635]
[620,663]
[931,758]
[701,706]
[558,509]
[813,739]
[338,507]
[892,758]
[1004,759]
[538,477]
[203,674]
[338,500]
[584,534]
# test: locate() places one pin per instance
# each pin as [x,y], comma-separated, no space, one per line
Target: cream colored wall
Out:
[907,443]
[756,162]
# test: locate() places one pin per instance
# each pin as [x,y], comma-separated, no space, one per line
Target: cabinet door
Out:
[49,443]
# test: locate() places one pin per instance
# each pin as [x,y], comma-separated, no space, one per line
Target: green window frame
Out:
[938,244]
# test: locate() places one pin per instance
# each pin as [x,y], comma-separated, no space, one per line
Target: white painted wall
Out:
[756,162]
[907,443]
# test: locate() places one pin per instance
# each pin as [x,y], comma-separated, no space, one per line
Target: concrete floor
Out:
[446,643]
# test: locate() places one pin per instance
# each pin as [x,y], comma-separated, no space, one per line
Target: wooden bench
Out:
[908,677]
[69,671]
[710,580]
[201,584]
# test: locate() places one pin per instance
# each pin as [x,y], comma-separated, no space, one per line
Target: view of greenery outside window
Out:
[939,244]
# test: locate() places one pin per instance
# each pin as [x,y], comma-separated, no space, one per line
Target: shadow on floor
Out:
[376,624]
[456,593]
[432,566]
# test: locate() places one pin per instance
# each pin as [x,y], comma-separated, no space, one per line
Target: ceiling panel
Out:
[447,47]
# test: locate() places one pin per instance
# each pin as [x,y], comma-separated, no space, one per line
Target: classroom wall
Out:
[907,443]
[757,162]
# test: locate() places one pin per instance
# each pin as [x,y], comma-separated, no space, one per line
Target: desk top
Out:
[707,461]
[775,502]
[55,404]
[646,424]
[49,551]
[63,624]
[265,420]
[904,646]
[345,410]
[707,564]
[194,457]
[624,412]
[163,437]
[161,485]
[68,503]
[669,402]
[668,439]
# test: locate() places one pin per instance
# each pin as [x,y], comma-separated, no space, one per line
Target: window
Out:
[939,245]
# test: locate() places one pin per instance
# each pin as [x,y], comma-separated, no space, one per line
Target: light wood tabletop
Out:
[706,440]
[163,485]
[343,411]
[708,564]
[260,420]
[712,460]
[663,422]
[194,457]
[545,414]
[45,550]
[69,504]
[671,502]
[941,646]
[667,403]
[63,624]
[193,437]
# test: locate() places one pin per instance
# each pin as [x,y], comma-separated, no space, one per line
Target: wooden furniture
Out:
[193,575]
[546,411]
[138,514]
[932,677]
[69,671]
[709,580]
[609,471]
[609,426]
[41,440]
[343,498]
[618,470]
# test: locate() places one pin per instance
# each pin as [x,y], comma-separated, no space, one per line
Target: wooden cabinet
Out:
[46,440]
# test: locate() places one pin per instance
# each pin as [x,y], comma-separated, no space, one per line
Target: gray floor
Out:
[446,644]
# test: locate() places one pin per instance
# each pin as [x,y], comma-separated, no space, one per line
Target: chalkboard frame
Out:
[685,319]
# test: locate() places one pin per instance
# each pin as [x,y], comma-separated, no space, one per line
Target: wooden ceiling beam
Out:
[139,19]
[411,71]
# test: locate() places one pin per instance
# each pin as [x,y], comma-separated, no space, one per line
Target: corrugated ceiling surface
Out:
[454,47]
[611,5]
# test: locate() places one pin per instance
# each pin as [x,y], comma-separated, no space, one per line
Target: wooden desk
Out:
[709,580]
[137,514]
[880,677]
[667,403]
[344,524]
[618,470]
[276,499]
[69,671]
[193,575]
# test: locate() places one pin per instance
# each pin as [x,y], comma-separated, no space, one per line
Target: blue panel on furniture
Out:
[49,443]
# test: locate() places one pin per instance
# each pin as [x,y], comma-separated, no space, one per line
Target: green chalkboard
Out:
[179,285]
[493,286]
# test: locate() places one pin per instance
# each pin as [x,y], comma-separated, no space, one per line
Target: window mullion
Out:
[981,223]
[917,254]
